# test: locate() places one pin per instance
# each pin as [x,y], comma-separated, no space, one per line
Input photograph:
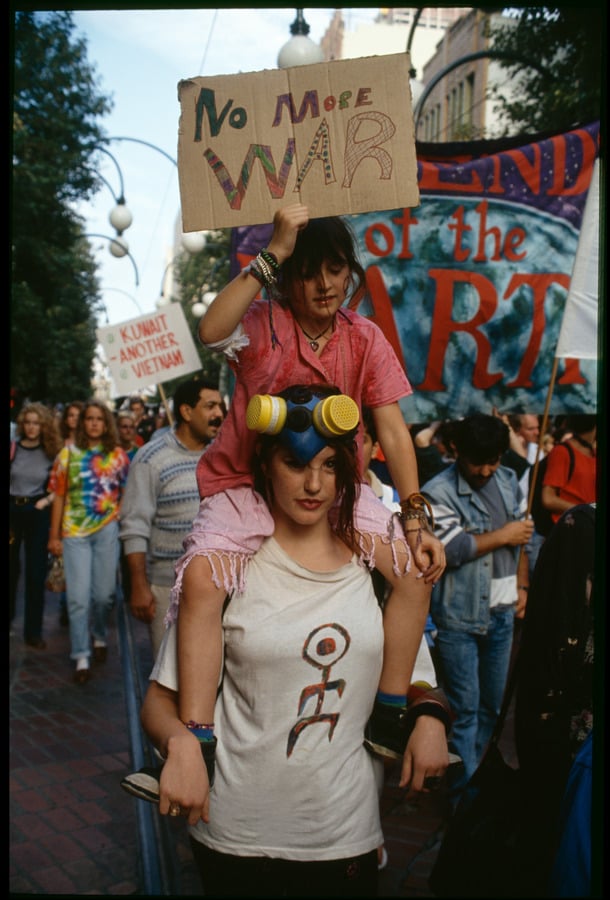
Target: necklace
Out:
[313,341]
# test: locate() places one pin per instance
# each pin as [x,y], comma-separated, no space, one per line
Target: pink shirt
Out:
[358,359]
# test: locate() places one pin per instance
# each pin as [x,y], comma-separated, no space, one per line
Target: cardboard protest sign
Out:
[335,136]
[149,350]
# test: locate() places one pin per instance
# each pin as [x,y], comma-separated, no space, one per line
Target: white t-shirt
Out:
[303,655]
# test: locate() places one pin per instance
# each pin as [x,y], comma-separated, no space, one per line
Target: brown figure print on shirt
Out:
[324,647]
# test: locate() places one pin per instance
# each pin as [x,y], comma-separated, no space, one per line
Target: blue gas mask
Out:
[304,418]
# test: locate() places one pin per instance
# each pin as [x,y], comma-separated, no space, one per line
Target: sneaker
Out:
[385,734]
[144,784]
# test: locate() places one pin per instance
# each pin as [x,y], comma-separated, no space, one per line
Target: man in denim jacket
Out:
[479,512]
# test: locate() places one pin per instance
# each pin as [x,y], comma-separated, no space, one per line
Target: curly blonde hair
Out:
[50,439]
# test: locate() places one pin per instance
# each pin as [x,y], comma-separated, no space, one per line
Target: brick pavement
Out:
[74,831]
[71,830]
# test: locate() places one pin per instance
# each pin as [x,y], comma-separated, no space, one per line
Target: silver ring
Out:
[174,809]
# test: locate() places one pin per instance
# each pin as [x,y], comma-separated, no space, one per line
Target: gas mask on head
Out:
[304,418]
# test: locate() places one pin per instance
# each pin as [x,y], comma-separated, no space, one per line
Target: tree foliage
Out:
[55,294]
[566,45]
[202,274]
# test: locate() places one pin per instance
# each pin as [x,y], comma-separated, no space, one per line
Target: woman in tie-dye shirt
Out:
[88,481]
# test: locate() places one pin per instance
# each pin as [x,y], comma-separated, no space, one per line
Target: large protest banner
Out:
[336,135]
[470,286]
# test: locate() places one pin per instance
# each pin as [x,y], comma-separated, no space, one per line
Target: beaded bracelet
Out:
[411,517]
[203,732]
[263,270]
[251,269]
[415,506]
[271,259]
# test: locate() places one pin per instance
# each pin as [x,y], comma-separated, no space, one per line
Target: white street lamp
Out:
[119,247]
[193,241]
[202,306]
[120,217]
[300,50]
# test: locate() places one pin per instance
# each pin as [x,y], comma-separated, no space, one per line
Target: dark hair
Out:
[444,434]
[322,240]
[480,438]
[368,423]
[189,392]
[64,430]
[346,463]
[580,423]
[109,439]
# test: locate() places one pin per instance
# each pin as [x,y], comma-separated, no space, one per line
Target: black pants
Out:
[30,529]
[224,875]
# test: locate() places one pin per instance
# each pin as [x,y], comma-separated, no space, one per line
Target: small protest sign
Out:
[149,350]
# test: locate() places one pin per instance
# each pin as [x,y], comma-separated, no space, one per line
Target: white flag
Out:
[578,334]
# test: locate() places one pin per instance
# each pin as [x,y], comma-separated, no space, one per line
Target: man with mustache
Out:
[161,500]
[479,514]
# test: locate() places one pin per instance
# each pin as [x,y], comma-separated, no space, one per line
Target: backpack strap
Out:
[570,450]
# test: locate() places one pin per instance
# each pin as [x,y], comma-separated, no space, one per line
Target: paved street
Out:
[74,831]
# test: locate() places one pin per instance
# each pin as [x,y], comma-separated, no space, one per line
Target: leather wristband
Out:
[429,703]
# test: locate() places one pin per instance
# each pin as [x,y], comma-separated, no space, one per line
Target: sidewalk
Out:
[74,831]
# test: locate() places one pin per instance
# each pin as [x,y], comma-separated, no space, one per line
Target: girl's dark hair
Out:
[579,423]
[322,240]
[109,439]
[368,423]
[347,480]
[63,422]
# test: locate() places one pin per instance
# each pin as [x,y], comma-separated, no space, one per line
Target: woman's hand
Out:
[426,755]
[184,779]
[55,546]
[428,553]
[287,222]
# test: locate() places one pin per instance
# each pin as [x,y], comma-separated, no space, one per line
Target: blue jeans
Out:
[474,668]
[532,548]
[90,566]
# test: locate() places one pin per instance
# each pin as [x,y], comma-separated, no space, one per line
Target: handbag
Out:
[481,850]
[56,579]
